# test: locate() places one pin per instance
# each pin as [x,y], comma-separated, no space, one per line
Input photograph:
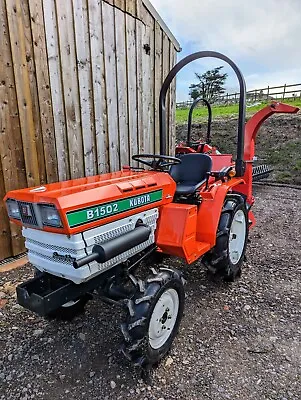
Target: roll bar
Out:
[194,104]
[239,164]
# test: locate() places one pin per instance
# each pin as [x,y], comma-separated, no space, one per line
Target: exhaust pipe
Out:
[108,250]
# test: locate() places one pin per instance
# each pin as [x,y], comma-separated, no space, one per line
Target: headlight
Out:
[50,216]
[13,209]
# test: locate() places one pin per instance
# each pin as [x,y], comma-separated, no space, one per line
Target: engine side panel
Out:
[55,253]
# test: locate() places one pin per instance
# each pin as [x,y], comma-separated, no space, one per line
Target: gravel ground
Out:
[236,341]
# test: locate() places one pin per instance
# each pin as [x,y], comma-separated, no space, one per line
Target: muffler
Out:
[108,250]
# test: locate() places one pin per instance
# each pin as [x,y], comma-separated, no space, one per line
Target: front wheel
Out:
[153,318]
[227,255]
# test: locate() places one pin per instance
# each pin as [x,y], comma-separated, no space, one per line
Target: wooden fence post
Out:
[284,88]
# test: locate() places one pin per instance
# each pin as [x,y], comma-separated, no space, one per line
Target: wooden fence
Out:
[79,90]
[265,94]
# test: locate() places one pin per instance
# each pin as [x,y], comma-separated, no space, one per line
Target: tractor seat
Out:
[191,173]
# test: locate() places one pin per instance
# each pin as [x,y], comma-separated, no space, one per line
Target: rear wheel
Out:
[227,256]
[153,319]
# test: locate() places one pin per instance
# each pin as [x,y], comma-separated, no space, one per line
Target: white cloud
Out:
[262,36]
[268,30]
[288,76]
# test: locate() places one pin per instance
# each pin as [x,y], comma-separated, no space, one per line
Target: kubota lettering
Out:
[137,201]
[80,217]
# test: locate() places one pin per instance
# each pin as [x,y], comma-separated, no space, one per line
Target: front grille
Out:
[60,260]
[52,247]
[112,234]
[27,213]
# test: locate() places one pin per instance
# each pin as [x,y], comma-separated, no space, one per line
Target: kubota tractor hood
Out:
[76,205]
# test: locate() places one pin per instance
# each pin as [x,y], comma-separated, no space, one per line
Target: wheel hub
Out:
[237,237]
[163,318]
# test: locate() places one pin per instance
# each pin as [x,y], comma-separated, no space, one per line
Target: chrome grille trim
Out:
[44,256]
[65,250]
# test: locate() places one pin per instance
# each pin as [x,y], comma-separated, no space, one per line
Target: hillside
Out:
[278,142]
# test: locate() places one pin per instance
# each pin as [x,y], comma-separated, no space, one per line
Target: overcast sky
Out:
[262,36]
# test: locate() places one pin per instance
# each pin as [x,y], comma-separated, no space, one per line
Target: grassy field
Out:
[200,114]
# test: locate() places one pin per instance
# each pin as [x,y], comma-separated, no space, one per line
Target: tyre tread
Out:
[217,258]
[135,329]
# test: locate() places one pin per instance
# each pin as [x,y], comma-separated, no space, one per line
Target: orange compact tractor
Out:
[92,234]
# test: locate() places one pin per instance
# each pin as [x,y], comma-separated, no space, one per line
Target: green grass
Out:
[200,114]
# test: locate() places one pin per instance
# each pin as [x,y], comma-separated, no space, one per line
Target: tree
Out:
[210,85]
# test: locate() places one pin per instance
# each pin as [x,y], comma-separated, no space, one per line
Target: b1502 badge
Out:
[89,214]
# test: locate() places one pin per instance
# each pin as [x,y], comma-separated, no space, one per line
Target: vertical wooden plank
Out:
[54,63]
[22,55]
[148,82]
[158,82]
[11,148]
[172,102]
[111,88]
[33,89]
[120,4]
[121,56]
[139,9]
[165,70]
[70,85]
[152,83]
[132,84]
[131,7]
[140,28]
[43,84]
[5,241]
[12,162]
[85,84]
[98,81]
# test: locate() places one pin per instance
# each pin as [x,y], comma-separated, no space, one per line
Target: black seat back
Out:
[193,168]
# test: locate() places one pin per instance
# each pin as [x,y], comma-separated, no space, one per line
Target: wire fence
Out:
[268,93]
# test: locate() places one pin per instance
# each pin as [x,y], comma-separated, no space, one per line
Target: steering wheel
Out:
[157,161]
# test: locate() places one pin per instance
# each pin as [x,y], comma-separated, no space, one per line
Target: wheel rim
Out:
[237,237]
[163,319]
